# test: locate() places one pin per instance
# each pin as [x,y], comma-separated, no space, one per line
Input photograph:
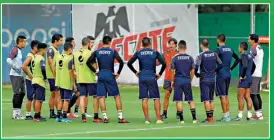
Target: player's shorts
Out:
[207,90]
[167,85]
[180,89]
[245,83]
[87,89]
[30,93]
[52,86]
[78,88]
[222,86]
[65,94]
[18,84]
[148,89]
[39,92]
[256,85]
[107,87]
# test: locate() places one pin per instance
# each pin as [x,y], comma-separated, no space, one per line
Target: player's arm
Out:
[253,52]
[158,63]
[71,72]
[192,71]
[244,60]
[253,68]
[12,55]
[198,62]
[219,64]
[162,61]
[50,56]
[25,65]
[90,61]
[121,62]
[43,68]
[131,61]
[172,69]
[236,61]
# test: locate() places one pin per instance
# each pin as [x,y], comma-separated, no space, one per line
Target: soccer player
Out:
[223,77]
[167,82]
[67,82]
[183,66]
[246,69]
[85,79]
[148,87]
[26,67]
[52,55]
[16,76]
[39,81]
[258,56]
[106,84]
[207,62]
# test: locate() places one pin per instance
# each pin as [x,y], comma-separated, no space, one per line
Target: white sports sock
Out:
[14,112]
[28,113]
[104,115]
[249,114]
[240,114]
[120,114]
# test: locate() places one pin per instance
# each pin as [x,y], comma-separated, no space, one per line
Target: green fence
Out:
[236,26]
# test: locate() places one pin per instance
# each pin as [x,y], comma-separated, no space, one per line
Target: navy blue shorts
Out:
[87,89]
[78,88]
[245,83]
[222,86]
[65,94]
[148,89]
[52,86]
[107,87]
[30,93]
[207,91]
[180,89]
[39,92]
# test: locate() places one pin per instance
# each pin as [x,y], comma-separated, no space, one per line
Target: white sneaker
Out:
[20,117]
[88,116]
[76,115]
[147,122]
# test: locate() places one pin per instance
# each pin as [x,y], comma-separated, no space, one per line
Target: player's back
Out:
[105,59]
[38,77]
[249,66]
[64,64]
[147,63]
[225,54]
[208,64]
[183,64]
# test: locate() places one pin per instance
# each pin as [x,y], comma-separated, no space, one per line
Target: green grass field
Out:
[133,112]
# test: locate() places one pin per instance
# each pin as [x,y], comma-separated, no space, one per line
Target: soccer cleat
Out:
[160,122]
[208,120]
[195,121]
[20,117]
[52,116]
[76,115]
[88,116]
[66,120]
[122,120]
[106,120]
[224,119]
[147,122]
[181,122]
[84,120]
[98,120]
[58,120]
[29,118]
[237,119]
[257,118]
[41,119]
[163,116]
[70,115]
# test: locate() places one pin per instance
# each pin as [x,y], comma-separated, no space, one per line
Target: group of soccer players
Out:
[91,73]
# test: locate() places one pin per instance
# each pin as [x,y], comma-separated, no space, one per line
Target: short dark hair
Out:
[20,38]
[205,42]
[42,46]
[244,45]
[85,41]
[146,41]
[34,43]
[91,37]
[67,46]
[254,37]
[107,40]
[69,39]
[182,44]
[221,37]
[172,39]
[56,37]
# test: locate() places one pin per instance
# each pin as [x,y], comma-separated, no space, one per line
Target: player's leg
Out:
[66,99]
[101,93]
[227,81]
[154,93]
[189,98]
[221,93]
[72,101]
[57,98]
[168,90]
[29,100]
[92,89]
[248,103]
[143,95]
[52,97]
[83,94]
[211,98]
[240,98]
[76,108]
[60,106]
[39,97]
[205,98]
[256,98]
[178,98]
[18,95]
